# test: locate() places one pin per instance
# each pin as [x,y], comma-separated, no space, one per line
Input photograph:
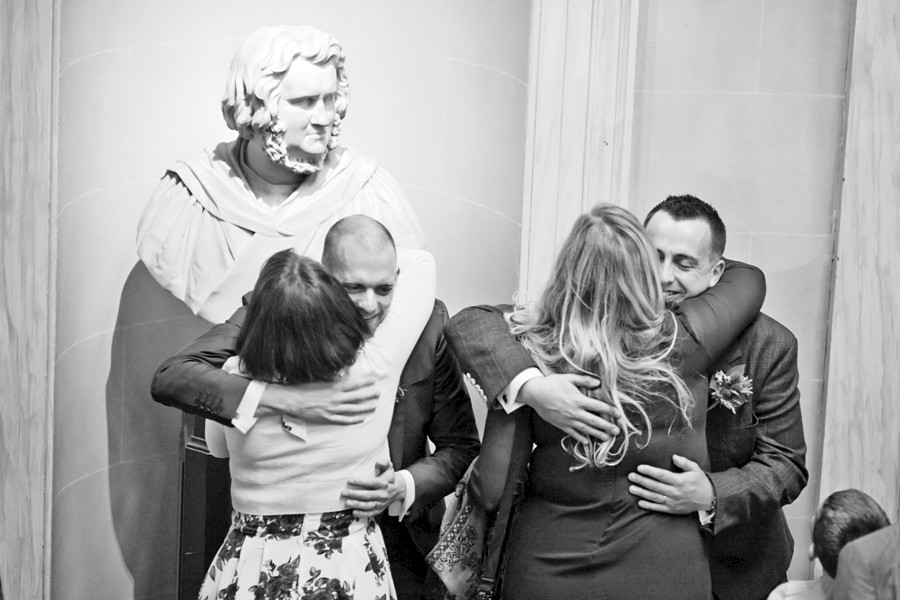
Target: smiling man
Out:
[431,403]
[359,258]
[756,449]
[690,250]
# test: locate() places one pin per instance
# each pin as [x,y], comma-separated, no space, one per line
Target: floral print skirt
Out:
[327,556]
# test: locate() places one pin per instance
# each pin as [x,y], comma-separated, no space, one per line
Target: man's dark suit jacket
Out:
[759,453]
[758,465]
[431,402]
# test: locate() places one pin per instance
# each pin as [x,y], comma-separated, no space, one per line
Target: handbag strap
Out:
[512,491]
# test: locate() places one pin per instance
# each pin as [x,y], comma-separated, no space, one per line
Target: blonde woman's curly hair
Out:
[602,313]
[253,88]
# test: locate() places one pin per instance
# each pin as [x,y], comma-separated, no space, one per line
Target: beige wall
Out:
[740,103]
[438,97]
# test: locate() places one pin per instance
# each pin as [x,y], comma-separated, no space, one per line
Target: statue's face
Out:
[306,109]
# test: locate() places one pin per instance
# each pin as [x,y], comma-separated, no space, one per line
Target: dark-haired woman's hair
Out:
[301,325]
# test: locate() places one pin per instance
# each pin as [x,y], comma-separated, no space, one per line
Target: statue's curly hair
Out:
[253,89]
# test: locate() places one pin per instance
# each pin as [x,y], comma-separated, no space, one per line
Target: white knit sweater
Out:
[275,472]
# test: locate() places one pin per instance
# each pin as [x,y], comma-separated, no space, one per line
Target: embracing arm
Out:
[393,341]
[193,379]
[716,317]
[507,441]
[480,338]
[776,472]
[493,357]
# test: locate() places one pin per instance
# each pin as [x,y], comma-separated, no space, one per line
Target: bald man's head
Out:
[360,253]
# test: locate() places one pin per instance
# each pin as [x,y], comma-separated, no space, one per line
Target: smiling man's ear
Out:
[717,271]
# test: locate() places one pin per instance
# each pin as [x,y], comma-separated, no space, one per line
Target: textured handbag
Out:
[458,556]
[469,556]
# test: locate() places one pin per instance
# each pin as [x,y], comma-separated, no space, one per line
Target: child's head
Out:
[843,517]
[301,325]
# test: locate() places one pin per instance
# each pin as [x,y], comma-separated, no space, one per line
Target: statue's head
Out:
[287,87]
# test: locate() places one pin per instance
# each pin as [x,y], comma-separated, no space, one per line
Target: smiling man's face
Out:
[687,266]
[369,278]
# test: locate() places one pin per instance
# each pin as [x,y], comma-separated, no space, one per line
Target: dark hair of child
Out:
[843,517]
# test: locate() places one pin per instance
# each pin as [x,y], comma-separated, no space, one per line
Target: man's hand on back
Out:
[676,492]
[370,497]
[342,402]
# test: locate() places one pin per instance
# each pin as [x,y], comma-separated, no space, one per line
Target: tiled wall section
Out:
[740,103]
[438,97]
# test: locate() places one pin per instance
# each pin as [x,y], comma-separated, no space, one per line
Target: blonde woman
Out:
[578,532]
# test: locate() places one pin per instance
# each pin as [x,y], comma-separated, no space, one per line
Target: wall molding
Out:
[27,294]
[578,145]
[860,446]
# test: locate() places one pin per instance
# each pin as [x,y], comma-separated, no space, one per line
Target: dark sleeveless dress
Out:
[581,534]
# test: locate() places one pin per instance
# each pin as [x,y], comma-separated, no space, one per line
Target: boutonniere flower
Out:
[731,389]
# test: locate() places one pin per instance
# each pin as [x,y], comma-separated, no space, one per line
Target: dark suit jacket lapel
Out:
[418,368]
[395,434]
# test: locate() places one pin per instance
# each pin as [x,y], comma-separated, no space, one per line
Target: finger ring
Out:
[663,501]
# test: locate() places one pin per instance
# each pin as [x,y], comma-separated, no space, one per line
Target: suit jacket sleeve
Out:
[854,579]
[452,429]
[479,337]
[507,442]
[776,472]
[193,380]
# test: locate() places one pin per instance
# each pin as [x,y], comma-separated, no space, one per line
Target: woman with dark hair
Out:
[578,532]
[291,535]
[301,325]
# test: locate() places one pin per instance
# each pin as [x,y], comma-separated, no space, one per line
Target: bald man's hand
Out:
[561,401]
[343,402]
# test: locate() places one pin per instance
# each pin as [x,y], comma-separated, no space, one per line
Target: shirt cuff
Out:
[400,508]
[244,417]
[508,398]
[706,517]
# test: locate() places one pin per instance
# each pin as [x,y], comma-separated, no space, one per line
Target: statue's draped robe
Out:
[204,235]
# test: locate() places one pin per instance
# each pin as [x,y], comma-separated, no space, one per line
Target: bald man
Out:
[431,403]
